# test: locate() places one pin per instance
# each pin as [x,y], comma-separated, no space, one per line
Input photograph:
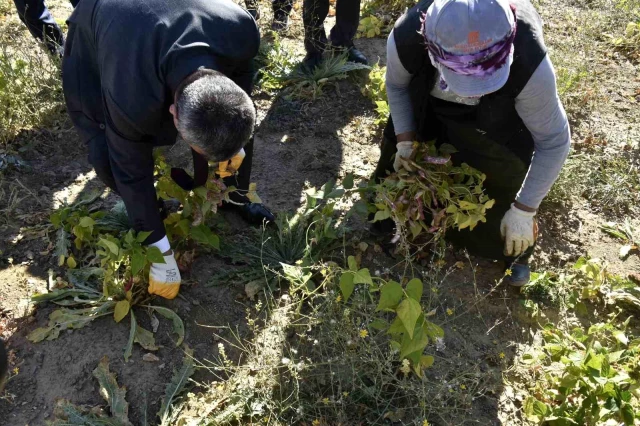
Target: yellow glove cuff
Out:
[229,168]
[168,291]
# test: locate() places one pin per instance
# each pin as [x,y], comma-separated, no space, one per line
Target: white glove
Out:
[518,228]
[164,278]
[405,149]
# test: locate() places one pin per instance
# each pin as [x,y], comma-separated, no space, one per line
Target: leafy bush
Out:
[376,90]
[370,27]
[30,87]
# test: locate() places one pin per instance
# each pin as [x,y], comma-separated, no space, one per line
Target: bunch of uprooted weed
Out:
[429,195]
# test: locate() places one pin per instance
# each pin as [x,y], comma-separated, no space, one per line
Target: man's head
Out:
[213,114]
[471,43]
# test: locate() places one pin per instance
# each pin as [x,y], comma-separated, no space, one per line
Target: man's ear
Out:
[172,110]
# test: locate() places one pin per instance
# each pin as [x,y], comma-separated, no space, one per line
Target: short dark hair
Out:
[214,114]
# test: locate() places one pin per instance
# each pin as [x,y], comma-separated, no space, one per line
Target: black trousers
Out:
[347,20]
[99,159]
[505,171]
[281,8]
[38,19]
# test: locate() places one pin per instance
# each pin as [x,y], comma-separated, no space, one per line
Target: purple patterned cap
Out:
[471,43]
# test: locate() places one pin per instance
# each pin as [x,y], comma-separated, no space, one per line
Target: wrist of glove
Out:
[164,278]
[405,149]
[230,167]
[519,231]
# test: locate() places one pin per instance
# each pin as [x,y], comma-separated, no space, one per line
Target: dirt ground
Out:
[298,144]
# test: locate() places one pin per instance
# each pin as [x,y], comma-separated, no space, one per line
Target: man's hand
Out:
[519,230]
[405,149]
[228,168]
[164,278]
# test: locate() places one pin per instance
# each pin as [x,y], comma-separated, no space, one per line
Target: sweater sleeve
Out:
[397,80]
[539,107]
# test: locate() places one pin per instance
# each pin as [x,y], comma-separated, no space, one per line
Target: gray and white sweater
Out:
[538,105]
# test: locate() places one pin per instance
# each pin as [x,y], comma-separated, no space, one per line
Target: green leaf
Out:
[433,331]
[466,205]
[426,361]
[353,265]
[203,235]
[620,337]
[414,289]
[396,327]
[627,413]
[381,215]
[535,410]
[379,324]
[176,387]
[87,222]
[347,182]
[142,236]
[71,262]
[178,325]
[138,260]
[154,255]
[390,296]
[110,245]
[132,334]
[408,312]
[346,285]
[145,338]
[39,334]
[595,362]
[363,277]
[417,343]
[111,392]
[121,310]
[489,204]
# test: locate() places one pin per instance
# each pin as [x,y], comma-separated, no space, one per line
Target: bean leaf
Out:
[121,310]
[414,289]
[408,312]
[390,295]
[346,285]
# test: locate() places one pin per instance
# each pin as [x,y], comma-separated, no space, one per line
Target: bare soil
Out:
[298,144]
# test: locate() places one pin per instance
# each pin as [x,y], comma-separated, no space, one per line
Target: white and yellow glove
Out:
[405,149]
[519,230]
[164,278]
[230,167]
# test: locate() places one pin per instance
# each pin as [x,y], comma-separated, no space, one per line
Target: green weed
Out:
[376,90]
[30,88]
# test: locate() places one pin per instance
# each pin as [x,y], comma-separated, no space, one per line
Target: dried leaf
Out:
[145,338]
[149,357]
[176,386]
[121,310]
[111,392]
[252,288]
[132,336]
[178,325]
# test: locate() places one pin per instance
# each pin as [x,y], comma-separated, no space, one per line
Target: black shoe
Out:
[4,365]
[256,214]
[311,62]
[519,274]
[354,55]
[280,21]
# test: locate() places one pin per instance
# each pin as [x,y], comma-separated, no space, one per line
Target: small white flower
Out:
[377,273]
[315,342]
[332,322]
[285,361]
[440,345]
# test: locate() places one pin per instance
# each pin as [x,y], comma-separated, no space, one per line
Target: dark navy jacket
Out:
[123,61]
